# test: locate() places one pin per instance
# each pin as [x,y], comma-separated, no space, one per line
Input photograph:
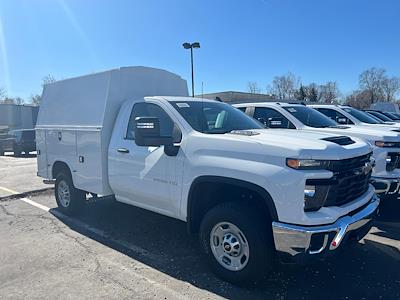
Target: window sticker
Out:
[182,105]
[292,110]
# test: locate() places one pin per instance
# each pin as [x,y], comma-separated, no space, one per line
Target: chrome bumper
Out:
[385,186]
[295,240]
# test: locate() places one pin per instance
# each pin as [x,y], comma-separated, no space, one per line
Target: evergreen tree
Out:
[313,95]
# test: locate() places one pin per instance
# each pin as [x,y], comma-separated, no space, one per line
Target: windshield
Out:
[361,116]
[310,117]
[380,116]
[214,117]
[391,115]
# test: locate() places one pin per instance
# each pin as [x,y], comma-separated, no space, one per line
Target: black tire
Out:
[257,233]
[77,197]
[17,151]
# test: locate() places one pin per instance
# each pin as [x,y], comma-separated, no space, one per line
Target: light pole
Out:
[191,46]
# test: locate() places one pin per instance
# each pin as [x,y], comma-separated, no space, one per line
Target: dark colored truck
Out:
[18,141]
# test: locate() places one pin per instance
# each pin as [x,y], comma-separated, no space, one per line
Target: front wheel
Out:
[237,242]
[69,199]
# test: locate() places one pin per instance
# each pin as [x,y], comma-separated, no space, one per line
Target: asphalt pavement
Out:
[116,251]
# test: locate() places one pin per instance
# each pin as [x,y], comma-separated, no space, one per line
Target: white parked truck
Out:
[250,193]
[385,141]
[347,115]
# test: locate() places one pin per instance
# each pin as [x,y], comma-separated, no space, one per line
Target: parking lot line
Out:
[8,190]
[33,203]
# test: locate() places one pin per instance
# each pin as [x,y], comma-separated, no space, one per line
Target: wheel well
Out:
[208,191]
[59,167]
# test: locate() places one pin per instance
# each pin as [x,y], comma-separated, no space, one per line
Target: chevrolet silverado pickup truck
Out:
[251,195]
[385,142]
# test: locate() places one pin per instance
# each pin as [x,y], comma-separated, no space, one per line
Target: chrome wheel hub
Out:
[63,194]
[229,246]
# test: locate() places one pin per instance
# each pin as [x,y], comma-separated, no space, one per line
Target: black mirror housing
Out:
[147,133]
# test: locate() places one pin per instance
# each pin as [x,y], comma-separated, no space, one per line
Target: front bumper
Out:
[385,186]
[302,242]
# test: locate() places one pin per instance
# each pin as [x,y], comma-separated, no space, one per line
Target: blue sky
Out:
[240,40]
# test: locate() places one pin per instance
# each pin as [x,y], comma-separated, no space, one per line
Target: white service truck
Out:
[385,141]
[250,193]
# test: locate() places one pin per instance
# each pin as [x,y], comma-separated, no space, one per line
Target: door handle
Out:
[123,150]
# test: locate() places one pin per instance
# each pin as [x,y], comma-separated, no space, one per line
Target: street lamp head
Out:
[187,45]
[196,45]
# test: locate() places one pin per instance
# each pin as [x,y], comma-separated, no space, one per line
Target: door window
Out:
[143,109]
[335,115]
[272,118]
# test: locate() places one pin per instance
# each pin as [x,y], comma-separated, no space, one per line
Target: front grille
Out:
[350,180]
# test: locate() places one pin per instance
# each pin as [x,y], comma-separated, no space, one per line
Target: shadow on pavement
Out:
[364,271]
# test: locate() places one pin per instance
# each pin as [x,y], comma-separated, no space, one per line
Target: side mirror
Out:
[275,122]
[341,120]
[147,133]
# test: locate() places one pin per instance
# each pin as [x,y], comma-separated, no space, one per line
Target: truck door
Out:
[145,176]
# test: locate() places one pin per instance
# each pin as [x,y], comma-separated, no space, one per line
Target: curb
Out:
[25,194]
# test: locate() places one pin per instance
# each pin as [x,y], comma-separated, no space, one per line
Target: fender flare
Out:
[231,181]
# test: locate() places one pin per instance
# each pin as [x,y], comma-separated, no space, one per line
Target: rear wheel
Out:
[69,199]
[237,242]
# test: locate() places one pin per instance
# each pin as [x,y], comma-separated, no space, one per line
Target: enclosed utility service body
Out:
[249,192]
[77,117]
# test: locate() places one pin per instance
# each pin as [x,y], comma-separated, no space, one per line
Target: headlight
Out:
[383,144]
[306,164]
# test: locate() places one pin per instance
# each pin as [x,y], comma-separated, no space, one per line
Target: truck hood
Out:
[295,144]
[369,133]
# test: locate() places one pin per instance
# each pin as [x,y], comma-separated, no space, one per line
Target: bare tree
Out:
[48,79]
[390,87]
[328,92]
[285,86]
[359,99]
[371,80]
[252,87]
[35,99]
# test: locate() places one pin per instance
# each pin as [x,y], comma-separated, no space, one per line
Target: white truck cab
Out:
[250,193]
[385,143]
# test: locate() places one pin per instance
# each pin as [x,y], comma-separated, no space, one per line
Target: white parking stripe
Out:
[38,205]
[8,190]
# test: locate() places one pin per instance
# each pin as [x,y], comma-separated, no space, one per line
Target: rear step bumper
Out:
[303,242]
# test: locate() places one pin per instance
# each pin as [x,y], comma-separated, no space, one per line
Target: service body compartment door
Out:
[41,148]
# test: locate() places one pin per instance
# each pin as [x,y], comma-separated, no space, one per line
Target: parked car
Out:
[393,117]
[382,117]
[249,193]
[347,115]
[18,141]
[385,143]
